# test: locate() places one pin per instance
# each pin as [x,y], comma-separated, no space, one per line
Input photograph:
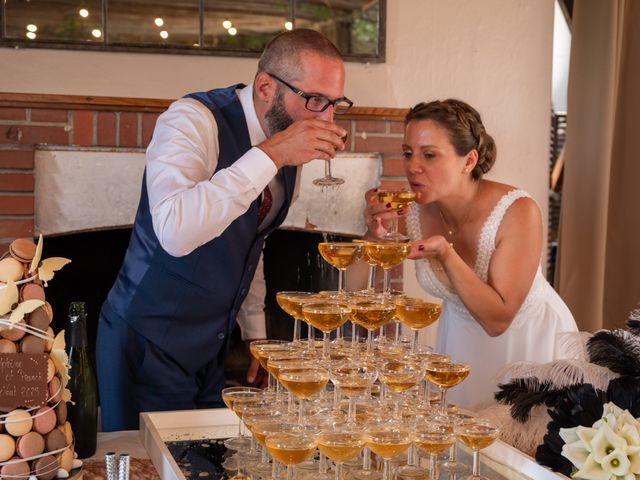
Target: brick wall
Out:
[28,122]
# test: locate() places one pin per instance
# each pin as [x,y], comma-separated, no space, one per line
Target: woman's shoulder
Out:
[510,203]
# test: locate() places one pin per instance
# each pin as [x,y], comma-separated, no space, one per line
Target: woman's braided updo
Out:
[465,129]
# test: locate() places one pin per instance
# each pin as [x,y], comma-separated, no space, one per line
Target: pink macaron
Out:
[31,291]
[30,445]
[15,471]
[44,420]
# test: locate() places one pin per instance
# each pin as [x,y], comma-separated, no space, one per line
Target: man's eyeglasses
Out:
[318,103]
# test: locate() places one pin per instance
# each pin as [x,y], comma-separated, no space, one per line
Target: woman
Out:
[477,245]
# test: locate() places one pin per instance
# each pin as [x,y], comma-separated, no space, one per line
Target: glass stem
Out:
[338,469]
[289,472]
[453,453]
[325,345]
[300,411]
[322,464]
[310,338]
[296,330]
[327,168]
[414,340]
[385,470]
[394,225]
[432,466]
[397,336]
[351,416]
[366,459]
[369,342]
[476,463]
[387,282]
[371,288]
[443,400]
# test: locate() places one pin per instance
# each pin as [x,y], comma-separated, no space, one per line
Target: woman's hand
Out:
[378,216]
[436,247]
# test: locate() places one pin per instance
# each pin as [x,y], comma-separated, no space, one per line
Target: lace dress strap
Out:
[487,240]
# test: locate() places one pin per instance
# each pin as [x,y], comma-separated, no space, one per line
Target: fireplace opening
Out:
[291,262]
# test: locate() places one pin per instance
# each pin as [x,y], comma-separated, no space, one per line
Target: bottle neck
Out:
[77,332]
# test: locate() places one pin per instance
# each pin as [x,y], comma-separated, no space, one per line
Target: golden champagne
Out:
[340,254]
[363,254]
[387,254]
[240,401]
[397,198]
[372,315]
[352,386]
[446,374]
[290,448]
[434,446]
[291,302]
[478,435]
[304,382]
[275,364]
[341,446]
[263,352]
[388,443]
[400,382]
[416,313]
[326,317]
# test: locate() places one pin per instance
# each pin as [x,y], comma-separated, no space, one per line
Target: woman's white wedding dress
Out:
[536,334]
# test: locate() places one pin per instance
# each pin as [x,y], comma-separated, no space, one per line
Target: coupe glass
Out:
[326,317]
[387,255]
[396,199]
[329,180]
[432,439]
[372,314]
[388,440]
[290,447]
[477,434]
[262,349]
[446,375]
[341,444]
[416,314]
[233,398]
[304,382]
[291,303]
[353,379]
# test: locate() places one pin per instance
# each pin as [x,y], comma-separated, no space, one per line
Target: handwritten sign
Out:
[23,380]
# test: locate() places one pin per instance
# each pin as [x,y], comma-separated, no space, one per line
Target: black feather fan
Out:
[525,393]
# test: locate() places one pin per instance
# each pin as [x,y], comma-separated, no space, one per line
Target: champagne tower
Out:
[36,440]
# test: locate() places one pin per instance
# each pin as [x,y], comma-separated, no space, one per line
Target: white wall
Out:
[495,54]
[561,54]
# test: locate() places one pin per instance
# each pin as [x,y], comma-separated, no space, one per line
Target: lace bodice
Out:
[486,246]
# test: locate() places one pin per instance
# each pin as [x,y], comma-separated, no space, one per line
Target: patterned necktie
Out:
[265,205]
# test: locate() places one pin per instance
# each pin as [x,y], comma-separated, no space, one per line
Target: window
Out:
[218,27]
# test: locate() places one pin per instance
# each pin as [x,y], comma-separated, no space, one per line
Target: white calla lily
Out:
[569,435]
[616,463]
[586,434]
[576,453]
[592,470]
[605,442]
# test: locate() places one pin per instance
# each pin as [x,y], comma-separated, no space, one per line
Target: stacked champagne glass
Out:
[332,405]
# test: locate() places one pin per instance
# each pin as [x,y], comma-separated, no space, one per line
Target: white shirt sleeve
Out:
[190,205]
[251,315]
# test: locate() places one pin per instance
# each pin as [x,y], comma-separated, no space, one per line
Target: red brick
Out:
[48,115]
[371,126]
[107,129]
[393,167]
[33,134]
[346,124]
[128,129]
[83,127]
[13,114]
[396,127]
[16,227]
[148,124]
[390,145]
[21,159]
[386,184]
[16,182]
[16,204]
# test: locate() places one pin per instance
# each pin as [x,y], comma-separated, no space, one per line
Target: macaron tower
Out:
[36,440]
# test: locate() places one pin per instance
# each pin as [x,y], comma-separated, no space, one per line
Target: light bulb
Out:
[31,35]
[158,21]
[232,31]
[164,34]
[83,12]
[288,25]
[32,28]
[96,33]
[227,24]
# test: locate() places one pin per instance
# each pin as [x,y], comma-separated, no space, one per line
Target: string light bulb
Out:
[83,12]
[232,31]
[158,21]
[227,24]
[31,35]
[32,28]
[164,34]
[96,33]
[288,25]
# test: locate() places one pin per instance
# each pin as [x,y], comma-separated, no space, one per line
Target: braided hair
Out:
[464,127]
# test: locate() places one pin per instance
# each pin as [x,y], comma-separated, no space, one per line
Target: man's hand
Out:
[304,141]
[256,375]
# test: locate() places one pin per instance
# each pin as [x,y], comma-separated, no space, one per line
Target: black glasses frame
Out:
[308,97]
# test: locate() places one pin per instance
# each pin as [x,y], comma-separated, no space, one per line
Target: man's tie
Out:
[265,205]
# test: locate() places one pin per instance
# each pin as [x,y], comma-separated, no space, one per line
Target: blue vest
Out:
[187,305]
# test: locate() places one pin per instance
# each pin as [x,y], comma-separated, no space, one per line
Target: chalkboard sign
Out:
[23,380]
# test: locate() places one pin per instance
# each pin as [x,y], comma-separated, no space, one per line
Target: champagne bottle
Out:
[83,416]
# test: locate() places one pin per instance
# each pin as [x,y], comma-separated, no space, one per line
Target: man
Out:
[220,175]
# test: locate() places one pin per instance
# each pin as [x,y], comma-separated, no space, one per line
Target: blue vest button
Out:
[221,336]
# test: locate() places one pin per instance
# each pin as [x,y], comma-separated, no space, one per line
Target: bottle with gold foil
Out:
[83,412]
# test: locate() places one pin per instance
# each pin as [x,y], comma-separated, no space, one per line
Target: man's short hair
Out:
[282,54]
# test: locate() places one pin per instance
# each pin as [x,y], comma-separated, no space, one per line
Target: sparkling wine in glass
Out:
[433,439]
[290,447]
[326,317]
[304,382]
[417,314]
[233,397]
[340,445]
[388,440]
[387,255]
[446,375]
[353,379]
[397,199]
[477,434]
[291,303]
[371,315]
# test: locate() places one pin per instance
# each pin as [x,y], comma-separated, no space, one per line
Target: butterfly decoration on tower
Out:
[11,308]
[46,268]
[61,361]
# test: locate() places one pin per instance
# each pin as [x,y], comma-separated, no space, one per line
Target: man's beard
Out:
[277,117]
